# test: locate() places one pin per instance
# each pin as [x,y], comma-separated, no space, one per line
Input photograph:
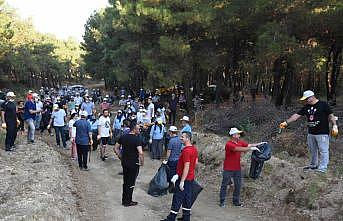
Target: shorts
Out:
[104,140]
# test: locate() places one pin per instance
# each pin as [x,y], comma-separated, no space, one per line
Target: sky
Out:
[63,18]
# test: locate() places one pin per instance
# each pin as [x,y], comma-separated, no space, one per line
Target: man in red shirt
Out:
[184,178]
[232,165]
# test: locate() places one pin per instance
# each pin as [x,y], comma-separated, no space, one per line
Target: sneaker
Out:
[86,169]
[310,168]
[103,158]
[320,171]
[222,204]
[238,204]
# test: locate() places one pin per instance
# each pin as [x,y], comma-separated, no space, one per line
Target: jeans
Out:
[157,149]
[319,143]
[183,198]
[82,155]
[30,129]
[227,175]
[11,134]
[38,120]
[130,174]
[60,131]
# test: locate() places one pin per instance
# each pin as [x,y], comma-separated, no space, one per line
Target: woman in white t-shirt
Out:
[104,132]
[72,134]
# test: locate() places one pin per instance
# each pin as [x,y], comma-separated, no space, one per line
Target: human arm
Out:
[168,154]
[140,155]
[334,131]
[116,150]
[293,118]
[184,175]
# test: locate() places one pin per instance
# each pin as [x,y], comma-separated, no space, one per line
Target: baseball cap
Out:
[55,107]
[120,111]
[10,94]
[234,130]
[185,118]
[173,129]
[307,94]
[84,113]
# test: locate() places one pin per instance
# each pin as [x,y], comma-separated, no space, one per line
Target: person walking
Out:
[58,119]
[72,134]
[39,108]
[83,140]
[132,157]
[88,106]
[104,133]
[9,120]
[183,180]
[118,123]
[232,165]
[172,109]
[318,114]
[29,117]
[156,140]
[173,151]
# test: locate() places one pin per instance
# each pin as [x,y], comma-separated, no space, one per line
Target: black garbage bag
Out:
[196,189]
[258,158]
[159,184]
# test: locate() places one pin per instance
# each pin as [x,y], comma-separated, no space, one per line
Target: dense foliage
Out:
[32,58]
[278,47]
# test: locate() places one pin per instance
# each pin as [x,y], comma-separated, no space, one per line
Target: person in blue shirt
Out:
[83,140]
[94,122]
[156,140]
[118,123]
[173,151]
[185,124]
[29,117]
[88,106]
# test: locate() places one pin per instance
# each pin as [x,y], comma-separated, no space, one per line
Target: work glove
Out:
[283,125]
[48,127]
[263,143]
[98,137]
[182,183]
[334,131]
[3,125]
[174,178]
[255,148]
[165,161]
[150,141]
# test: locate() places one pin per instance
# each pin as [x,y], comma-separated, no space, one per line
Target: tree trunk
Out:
[332,72]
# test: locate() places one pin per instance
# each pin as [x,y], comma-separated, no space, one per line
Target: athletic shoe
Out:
[103,158]
[320,171]
[222,204]
[86,169]
[238,204]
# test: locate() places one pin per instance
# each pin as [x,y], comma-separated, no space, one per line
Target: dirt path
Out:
[101,189]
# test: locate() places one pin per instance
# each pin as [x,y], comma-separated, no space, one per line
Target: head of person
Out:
[149,100]
[72,98]
[173,96]
[134,128]
[10,96]
[86,98]
[77,95]
[48,99]
[129,96]
[105,100]
[173,131]
[73,114]
[235,133]
[83,114]
[94,111]
[309,97]
[186,138]
[77,106]
[122,96]
[55,107]
[105,113]
[119,113]
[185,120]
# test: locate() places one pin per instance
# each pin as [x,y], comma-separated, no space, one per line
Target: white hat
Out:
[84,113]
[129,96]
[307,94]
[185,118]
[122,95]
[73,112]
[105,99]
[55,107]
[30,91]
[10,94]
[234,130]
[173,129]
[120,111]
[34,95]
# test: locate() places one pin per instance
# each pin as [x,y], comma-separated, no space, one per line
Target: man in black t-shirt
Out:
[9,120]
[318,114]
[132,157]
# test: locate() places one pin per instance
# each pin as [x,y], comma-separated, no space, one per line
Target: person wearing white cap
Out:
[173,151]
[9,120]
[78,99]
[185,124]
[122,101]
[39,107]
[232,165]
[72,133]
[83,140]
[105,105]
[57,120]
[318,114]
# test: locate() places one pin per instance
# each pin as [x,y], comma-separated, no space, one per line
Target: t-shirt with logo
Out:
[104,124]
[232,160]
[317,117]
[188,154]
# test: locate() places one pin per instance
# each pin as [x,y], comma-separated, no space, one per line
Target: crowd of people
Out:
[144,122]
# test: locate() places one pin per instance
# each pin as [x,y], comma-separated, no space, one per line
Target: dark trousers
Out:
[82,155]
[11,135]
[59,131]
[157,149]
[183,198]
[172,169]
[172,114]
[130,174]
[227,175]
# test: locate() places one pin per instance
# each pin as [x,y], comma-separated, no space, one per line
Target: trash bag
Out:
[264,154]
[196,189]
[258,158]
[159,184]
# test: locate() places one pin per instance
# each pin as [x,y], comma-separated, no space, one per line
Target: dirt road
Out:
[102,188]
